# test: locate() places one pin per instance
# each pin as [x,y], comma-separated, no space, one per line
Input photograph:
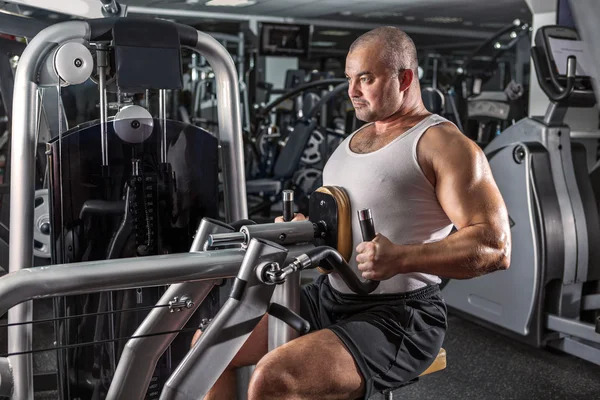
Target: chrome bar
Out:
[162,115]
[102,60]
[230,124]
[127,273]
[24,129]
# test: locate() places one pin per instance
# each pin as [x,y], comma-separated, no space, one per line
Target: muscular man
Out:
[420,176]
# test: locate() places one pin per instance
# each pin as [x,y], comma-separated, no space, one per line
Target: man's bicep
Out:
[466,188]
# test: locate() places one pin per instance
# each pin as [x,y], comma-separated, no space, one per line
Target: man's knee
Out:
[271,378]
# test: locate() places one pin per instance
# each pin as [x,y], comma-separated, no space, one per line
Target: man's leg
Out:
[314,366]
[251,352]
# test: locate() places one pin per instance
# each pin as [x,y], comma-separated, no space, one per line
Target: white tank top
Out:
[403,202]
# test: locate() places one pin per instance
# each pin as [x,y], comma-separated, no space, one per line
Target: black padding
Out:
[147,54]
[188,36]
[288,160]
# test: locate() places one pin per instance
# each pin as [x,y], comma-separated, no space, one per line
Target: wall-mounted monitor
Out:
[285,40]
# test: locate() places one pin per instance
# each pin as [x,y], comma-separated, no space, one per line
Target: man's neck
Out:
[409,114]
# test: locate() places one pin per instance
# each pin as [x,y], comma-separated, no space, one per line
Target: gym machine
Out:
[112,180]
[267,281]
[60,54]
[262,263]
[550,295]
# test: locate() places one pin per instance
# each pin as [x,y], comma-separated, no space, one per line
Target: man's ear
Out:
[406,77]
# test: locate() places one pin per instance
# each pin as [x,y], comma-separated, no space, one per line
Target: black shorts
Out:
[393,338]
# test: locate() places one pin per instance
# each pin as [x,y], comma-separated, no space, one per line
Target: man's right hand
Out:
[297,217]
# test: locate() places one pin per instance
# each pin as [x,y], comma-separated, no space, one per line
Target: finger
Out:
[279,219]
[361,247]
[365,266]
[299,217]
[364,247]
[368,275]
[365,256]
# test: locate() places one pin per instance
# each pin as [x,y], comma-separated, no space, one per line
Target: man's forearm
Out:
[472,251]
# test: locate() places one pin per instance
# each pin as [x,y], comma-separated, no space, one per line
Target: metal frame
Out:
[523,313]
[199,270]
[26,108]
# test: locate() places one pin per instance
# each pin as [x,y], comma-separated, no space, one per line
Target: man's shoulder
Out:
[444,137]
[444,146]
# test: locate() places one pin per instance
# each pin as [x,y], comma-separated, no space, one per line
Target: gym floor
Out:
[485,365]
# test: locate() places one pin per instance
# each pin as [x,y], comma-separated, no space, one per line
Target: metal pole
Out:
[162,115]
[25,116]
[126,273]
[102,59]
[230,124]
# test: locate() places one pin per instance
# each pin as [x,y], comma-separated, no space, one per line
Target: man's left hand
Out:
[378,259]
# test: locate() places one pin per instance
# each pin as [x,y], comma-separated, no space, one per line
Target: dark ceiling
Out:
[435,25]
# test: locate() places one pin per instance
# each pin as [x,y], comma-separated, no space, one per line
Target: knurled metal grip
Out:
[367,227]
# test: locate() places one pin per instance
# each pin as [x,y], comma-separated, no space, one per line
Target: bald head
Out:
[398,51]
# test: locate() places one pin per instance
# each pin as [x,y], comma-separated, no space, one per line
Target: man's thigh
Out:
[391,345]
[314,366]
[391,339]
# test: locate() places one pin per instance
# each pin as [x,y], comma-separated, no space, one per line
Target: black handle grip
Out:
[327,256]
[288,205]
[553,93]
[367,227]
[289,317]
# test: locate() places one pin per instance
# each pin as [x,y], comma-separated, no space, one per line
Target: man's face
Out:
[373,88]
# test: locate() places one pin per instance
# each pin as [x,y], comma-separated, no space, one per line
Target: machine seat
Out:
[438,364]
